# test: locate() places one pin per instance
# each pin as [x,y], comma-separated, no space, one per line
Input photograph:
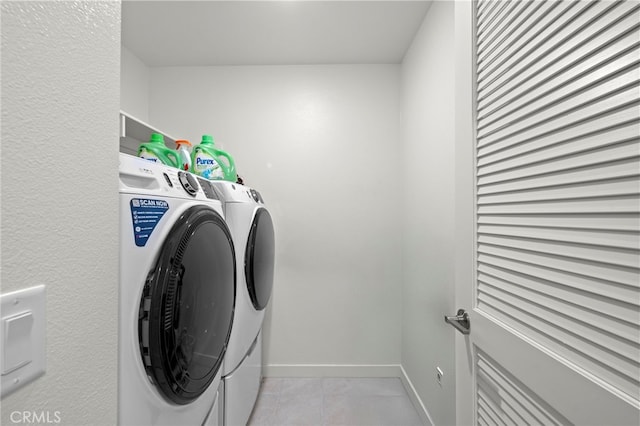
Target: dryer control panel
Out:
[231,192]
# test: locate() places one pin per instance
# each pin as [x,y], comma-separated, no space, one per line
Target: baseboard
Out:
[331,370]
[415,399]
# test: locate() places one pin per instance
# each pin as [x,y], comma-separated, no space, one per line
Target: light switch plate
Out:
[22,337]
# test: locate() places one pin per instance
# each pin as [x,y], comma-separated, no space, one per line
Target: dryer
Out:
[177,295]
[254,238]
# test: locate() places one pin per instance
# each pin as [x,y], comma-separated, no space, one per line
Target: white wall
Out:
[134,86]
[60,100]
[322,145]
[428,250]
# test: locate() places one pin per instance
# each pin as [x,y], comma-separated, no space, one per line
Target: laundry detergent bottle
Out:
[155,150]
[212,163]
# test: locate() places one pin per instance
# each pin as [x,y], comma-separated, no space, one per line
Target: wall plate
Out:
[22,337]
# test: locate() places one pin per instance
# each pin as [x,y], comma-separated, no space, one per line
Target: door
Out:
[186,309]
[547,205]
[260,259]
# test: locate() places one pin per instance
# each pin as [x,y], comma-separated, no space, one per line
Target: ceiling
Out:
[200,33]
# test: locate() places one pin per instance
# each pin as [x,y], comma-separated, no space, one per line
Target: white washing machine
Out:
[253,235]
[177,296]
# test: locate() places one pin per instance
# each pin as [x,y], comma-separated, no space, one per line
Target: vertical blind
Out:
[558,189]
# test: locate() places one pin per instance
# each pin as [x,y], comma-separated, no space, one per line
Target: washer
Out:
[253,235]
[177,296]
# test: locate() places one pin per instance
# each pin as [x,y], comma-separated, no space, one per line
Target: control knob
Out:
[256,196]
[188,183]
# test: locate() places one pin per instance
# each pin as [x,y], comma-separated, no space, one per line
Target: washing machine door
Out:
[186,309]
[259,259]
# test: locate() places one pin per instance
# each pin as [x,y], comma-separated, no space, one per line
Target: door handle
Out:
[461,321]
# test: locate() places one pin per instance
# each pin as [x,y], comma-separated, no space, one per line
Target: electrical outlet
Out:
[439,375]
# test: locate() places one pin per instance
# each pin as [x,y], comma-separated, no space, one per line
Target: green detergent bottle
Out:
[212,163]
[155,150]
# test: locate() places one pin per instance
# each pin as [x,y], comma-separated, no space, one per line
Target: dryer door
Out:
[259,259]
[187,306]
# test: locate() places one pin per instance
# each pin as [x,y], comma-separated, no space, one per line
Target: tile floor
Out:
[334,401]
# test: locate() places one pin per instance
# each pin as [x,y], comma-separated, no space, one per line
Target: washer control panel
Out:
[208,189]
[143,175]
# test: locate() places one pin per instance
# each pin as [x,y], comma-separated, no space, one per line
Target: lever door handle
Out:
[461,321]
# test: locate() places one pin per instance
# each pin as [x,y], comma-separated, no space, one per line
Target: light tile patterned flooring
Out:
[334,402]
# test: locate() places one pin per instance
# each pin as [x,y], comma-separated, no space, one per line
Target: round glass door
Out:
[186,309]
[260,258]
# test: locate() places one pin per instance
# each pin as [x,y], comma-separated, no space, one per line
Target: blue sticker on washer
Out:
[145,215]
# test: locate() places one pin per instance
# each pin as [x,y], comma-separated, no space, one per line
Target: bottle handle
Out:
[231,168]
[176,159]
